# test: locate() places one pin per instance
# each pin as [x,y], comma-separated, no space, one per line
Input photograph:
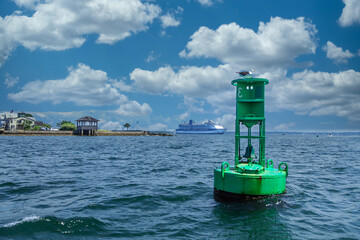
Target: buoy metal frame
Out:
[249,178]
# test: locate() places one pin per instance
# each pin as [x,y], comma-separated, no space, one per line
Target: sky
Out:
[156,64]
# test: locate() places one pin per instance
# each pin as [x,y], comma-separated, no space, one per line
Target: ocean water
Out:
[69,187]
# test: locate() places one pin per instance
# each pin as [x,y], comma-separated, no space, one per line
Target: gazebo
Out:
[87,126]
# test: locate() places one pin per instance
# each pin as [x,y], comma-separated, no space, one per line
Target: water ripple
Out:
[68,187]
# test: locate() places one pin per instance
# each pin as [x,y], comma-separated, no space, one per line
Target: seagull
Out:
[246,74]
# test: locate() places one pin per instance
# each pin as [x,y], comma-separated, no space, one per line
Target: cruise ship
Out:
[195,128]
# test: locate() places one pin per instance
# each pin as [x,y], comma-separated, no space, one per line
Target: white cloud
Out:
[190,81]
[7,45]
[169,20]
[284,126]
[55,117]
[27,3]
[158,127]
[110,125]
[184,116]
[320,94]
[271,49]
[11,81]
[227,121]
[275,44]
[108,119]
[194,83]
[121,85]
[194,105]
[152,57]
[84,87]
[133,108]
[207,3]
[336,53]
[60,25]
[350,14]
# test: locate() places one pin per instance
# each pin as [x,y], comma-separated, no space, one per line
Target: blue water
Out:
[68,187]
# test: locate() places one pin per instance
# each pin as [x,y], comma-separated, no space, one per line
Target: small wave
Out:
[98,206]
[26,219]
[61,182]
[24,189]
[35,224]
[175,147]
[7,184]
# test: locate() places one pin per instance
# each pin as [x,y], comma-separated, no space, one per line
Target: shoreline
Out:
[71,133]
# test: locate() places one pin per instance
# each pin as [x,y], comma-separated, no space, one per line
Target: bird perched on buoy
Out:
[246,74]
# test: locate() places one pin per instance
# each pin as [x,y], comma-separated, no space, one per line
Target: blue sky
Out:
[156,64]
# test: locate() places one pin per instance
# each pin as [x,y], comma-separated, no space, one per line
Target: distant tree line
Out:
[27,126]
[66,126]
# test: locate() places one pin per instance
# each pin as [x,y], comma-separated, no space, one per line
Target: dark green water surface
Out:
[162,188]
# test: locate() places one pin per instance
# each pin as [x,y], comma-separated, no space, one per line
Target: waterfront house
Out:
[14,122]
[6,115]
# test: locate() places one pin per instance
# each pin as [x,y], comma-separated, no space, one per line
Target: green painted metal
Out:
[250,175]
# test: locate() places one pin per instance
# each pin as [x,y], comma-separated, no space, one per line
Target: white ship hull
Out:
[205,128]
[215,131]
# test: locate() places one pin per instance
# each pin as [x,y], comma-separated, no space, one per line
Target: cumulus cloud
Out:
[190,81]
[11,81]
[184,116]
[158,127]
[227,121]
[207,3]
[271,49]
[110,125]
[320,94]
[194,105]
[284,126]
[83,86]
[53,118]
[152,56]
[7,45]
[133,108]
[275,44]
[350,14]
[60,25]
[169,20]
[195,84]
[336,53]
[27,3]
[121,85]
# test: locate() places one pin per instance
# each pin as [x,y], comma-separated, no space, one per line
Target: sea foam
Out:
[25,219]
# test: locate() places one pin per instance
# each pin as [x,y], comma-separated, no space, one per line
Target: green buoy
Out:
[252,176]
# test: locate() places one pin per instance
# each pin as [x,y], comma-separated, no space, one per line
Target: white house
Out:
[4,116]
[16,121]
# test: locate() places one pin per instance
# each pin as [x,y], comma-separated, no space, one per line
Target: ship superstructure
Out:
[196,128]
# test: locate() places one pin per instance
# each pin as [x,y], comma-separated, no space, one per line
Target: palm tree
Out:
[127,125]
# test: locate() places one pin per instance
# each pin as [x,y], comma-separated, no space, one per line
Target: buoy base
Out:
[248,181]
[222,196]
